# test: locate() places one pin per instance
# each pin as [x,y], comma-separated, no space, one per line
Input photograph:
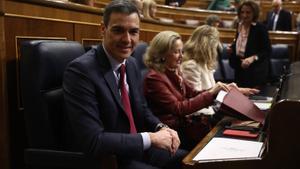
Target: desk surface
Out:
[188,162]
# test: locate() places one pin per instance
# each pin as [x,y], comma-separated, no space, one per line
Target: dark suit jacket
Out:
[170,100]
[97,123]
[284,22]
[258,43]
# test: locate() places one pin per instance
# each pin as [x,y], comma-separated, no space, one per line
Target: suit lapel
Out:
[108,74]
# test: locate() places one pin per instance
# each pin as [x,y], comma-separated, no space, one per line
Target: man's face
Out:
[121,35]
[276,6]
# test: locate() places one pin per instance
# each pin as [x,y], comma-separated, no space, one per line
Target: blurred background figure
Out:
[298,22]
[176,3]
[85,2]
[139,5]
[279,18]
[221,5]
[149,9]
[201,53]
[236,4]
[251,49]
[213,20]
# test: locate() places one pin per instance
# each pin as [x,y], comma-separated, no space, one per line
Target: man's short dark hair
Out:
[119,6]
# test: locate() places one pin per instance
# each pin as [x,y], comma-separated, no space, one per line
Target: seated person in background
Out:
[250,51]
[279,18]
[213,20]
[106,113]
[139,5]
[176,3]
[85,2]
[167,93]
[298,22]
[200,60]
[236,4]
[149,9]
[221,5]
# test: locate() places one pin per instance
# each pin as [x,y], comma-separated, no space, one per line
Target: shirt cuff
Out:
[146,140]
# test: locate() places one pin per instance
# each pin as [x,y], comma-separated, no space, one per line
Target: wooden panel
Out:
[224,15]
[45,12]
[203,4]
[88,34]
[19,26]
[4,131]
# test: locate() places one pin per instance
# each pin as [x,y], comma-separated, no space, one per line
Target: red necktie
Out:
[125,99]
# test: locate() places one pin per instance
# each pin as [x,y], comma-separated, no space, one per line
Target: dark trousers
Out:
[155,159]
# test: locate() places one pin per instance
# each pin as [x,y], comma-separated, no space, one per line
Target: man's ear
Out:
[102,28]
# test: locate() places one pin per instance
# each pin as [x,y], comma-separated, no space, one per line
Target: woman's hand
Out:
[219,86]
[247,62]
[246,91]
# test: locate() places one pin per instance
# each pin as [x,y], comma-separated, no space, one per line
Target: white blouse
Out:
[201,78]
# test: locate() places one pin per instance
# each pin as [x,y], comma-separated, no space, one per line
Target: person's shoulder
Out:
[132,60]
[190,64]
[154,74]
[86,57]
[86,61]
[261,27]
[285,11]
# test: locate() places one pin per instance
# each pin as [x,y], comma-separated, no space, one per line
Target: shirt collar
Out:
[277,11]
[113,62]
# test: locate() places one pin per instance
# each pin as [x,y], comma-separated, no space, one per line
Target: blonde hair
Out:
[160,45]
[147,5]
[202,46]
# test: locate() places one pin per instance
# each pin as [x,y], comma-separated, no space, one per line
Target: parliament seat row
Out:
[279,63]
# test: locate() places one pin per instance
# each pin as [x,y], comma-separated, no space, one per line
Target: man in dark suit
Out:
[279,19]
[100,120]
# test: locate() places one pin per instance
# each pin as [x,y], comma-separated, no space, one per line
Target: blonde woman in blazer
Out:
[200,61]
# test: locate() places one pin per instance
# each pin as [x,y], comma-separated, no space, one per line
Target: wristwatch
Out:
[160,126]
[255,58]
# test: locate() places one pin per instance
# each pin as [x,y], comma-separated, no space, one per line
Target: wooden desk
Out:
[188,162]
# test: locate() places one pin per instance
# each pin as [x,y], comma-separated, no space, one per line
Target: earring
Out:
[163,59]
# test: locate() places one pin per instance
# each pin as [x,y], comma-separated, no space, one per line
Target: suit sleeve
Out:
[263,44]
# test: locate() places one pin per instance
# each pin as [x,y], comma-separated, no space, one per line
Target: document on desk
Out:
[220,149]
[263,105]
[262,102]
[236,104]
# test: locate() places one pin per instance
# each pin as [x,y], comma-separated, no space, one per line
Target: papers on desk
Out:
[263,105]
[220,149]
